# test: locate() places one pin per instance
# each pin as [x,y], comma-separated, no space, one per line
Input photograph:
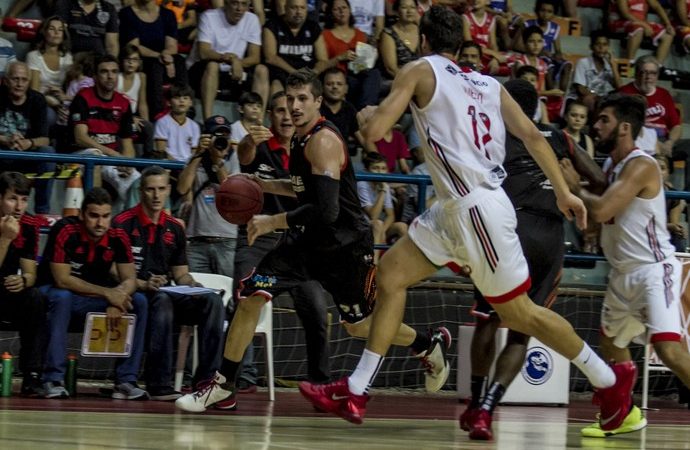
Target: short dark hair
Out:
[572,103]
[526,69]
[627,108]
[248,98]
[529,31]
[15,181]
[181,90]
[524,94]
[151,171]
[305,77]
[96,196]
[101,59]
[329,23]
[332,71]
[470,44]
[596,34]
[539,4]
[371,158]
[442,28]
[274,98]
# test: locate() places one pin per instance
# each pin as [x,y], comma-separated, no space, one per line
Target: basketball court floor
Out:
[394,421]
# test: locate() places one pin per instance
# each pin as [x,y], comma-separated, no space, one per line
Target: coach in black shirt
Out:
[159,249]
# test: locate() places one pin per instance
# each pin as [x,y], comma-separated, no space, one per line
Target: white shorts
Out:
[477,231]
[643,304]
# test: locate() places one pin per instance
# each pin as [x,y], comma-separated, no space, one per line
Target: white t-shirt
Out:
[367,195]
[49,78]
[647,140]
[237,132]
[365,13]
[181,139]
[215,30]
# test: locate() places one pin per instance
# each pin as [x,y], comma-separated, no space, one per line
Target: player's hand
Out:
[572,207]
[570,174]
[259,134]
[14,283]
[9,228]
[365,114]
[113,316]
[155,282]
[258,226]
[119,299]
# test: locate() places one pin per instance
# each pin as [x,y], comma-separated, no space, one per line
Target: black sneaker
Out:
[32,387]
[245,387]
[163,393]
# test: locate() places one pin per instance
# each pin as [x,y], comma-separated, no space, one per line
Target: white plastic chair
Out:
[265,327]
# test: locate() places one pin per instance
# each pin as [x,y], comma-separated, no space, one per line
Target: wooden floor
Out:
[393,422]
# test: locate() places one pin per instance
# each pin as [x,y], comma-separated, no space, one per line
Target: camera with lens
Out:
[220,141]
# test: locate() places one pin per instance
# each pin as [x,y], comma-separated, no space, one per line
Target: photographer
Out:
[212,240]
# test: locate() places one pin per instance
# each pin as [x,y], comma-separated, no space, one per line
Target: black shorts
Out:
[347,273]
[228,89]
[542,240]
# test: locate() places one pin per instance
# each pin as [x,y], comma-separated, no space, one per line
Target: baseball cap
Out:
[215,124]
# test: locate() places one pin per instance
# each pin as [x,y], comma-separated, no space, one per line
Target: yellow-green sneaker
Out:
[633,421]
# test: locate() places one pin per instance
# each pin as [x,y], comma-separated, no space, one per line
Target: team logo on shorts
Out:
[262,281]
[538,366]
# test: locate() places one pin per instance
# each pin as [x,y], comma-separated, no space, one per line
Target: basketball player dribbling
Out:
[463,117]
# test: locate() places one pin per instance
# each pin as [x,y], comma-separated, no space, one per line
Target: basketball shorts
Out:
[542,241]
[477,231]
[631,28]
[347,273]
[648,295]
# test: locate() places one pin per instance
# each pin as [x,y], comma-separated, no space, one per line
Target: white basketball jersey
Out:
[463,129]
[638,235]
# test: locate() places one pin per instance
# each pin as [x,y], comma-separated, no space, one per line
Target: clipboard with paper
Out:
[100,341]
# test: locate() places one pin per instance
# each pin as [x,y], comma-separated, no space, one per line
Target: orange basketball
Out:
[238,199]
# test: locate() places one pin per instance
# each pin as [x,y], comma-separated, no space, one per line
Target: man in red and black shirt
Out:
[76,265]
[159,249]
[20,302]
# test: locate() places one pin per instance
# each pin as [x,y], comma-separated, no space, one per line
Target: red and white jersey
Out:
[638,235]
[464,130]
[481,32]
[638,9]
[542,68]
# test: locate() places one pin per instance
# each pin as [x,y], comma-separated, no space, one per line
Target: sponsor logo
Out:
[538,366]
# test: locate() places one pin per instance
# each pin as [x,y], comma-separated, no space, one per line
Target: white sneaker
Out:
[434,359]
[209,393]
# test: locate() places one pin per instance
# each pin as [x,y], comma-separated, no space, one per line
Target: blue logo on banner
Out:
[538,366]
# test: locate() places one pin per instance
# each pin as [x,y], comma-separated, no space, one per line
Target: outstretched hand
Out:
[572,207]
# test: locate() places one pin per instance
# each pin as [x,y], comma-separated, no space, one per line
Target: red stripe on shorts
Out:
[665,337]
[508,296]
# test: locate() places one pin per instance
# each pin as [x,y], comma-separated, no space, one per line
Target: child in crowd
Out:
[132,83]
[250,107]
[507,23]
[575,121]
[377,201]
[479,26]
[630,17]
[176,135]
[80,75]
[674,207]
[531,74]
[534,44]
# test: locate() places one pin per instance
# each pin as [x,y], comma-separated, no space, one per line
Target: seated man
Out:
[159,249]
[20,302]
[228,49]
[75,274]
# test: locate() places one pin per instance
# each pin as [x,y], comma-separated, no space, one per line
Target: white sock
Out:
[595,369]
[367,368]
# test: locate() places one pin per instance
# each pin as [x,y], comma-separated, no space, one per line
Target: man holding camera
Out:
[212,240]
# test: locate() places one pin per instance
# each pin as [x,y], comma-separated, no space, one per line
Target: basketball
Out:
[238,199]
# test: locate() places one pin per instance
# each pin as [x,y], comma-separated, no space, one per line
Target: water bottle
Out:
[71,375]
[6,375]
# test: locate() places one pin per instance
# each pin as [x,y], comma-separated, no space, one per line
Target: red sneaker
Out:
[616,401]
[467,418]
[336,398]
[480,427]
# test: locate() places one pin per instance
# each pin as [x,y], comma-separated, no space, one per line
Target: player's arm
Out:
[639,178]
[28,267]
[373,121]
[117,297]
[586,166]
[520,126]
[246,149]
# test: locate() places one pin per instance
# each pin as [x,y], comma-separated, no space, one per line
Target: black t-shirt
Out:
[29,118]
[526,184]
[151,35]
[87,31]
[156,247]
[298,51]
[352,223]
[25,245]
[345,120]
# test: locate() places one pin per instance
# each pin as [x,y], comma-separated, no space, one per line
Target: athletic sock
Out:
[421,343]
[477,389]
[367,368]
[229,370]
[595,369]
[493,395]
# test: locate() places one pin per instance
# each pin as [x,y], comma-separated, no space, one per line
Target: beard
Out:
[606,145]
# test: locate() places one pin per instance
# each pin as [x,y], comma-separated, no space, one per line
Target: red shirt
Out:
[335,46]
[661,113]
[394,150]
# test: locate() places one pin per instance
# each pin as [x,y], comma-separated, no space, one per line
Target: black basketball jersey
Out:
[526,184]
[352,223]
[298,51]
